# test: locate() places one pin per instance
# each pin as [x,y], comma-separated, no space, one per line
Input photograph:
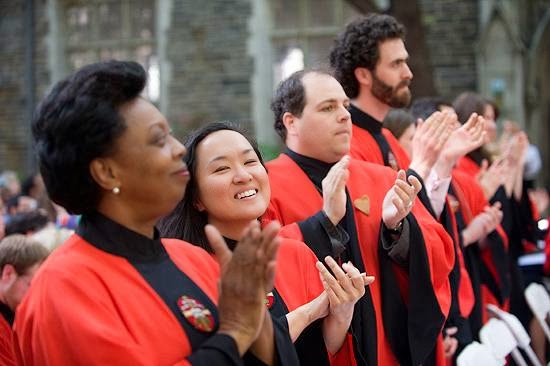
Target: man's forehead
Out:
[319,87]
[392,49]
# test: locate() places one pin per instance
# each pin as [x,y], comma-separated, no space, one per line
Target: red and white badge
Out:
[196,313]
[269,300]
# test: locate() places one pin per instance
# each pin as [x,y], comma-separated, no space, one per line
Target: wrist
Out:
[421,169]
[444,166]
[243,340]
[332,218]
[342,316]
[394,228]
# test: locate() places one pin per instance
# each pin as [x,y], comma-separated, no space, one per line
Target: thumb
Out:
[450,331]
[484,166]
[218,245]
[401,175]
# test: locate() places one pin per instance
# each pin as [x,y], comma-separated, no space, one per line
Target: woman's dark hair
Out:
[357,46]
[290,96]
[79,121]
[464,105]
[496,109]
[186,222]
[426,106]
[397,121]
[28,184]
[27,222]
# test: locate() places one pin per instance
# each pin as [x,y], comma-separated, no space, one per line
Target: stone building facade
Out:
[220,59]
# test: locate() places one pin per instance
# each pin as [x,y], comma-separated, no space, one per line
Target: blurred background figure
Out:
[402,125]
[9,185]
[20,257]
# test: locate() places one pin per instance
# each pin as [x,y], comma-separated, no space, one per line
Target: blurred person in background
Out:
[402,125]
[20,257]
[9,185]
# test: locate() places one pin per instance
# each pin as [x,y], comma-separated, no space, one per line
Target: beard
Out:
[392,96]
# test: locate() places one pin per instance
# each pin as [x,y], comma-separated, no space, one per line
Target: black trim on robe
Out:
[515,221]
[151,260]
[500,259]
[281,333]
[363,324]
[473,263]
[367,122]
[455,319]
[423,194]
[325,238]
[422,339]
[154,265]
[422,315]
[7,313]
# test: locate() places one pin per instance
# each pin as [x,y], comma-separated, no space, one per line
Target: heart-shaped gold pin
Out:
[363,204]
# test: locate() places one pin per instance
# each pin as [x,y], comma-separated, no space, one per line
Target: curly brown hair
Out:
[357,47]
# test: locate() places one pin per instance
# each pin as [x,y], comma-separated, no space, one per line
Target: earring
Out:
[116,190]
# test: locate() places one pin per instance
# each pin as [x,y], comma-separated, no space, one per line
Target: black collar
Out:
[364,120]
[231,243]
[7,313]
[315,169]
[116,239]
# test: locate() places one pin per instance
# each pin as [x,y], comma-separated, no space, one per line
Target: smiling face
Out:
[147,164]
[323,130]
[233,186]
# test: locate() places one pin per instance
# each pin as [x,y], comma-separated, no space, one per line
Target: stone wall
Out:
[15,99]
[451,29]
[210,67]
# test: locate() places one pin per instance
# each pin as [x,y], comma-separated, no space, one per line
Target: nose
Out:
[178,149]
[242,175]
[407,73]
[344,114]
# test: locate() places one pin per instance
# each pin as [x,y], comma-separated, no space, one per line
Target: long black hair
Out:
[186,222]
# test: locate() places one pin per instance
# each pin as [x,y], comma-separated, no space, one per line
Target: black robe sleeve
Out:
[322,236]
[421,318]
[285,353]
[219,349]
[397,244]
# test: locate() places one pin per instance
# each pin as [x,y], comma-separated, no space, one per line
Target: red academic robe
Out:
[472,202]
[297,281]
[110,315]
[465,290]
[468,166]
[296,199]
[6,343]
[365,148]
[296,278]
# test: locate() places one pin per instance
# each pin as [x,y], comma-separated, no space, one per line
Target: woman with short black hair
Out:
[115,293]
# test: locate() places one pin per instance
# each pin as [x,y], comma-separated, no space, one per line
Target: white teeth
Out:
[249,193]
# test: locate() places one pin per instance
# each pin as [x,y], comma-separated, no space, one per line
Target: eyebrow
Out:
[331,100]
[398,59]
[160,124]
[223,157]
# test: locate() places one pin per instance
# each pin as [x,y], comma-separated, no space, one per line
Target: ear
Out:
[363,76]
[199,206]
[289,120]
[104,173]
[8,272]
